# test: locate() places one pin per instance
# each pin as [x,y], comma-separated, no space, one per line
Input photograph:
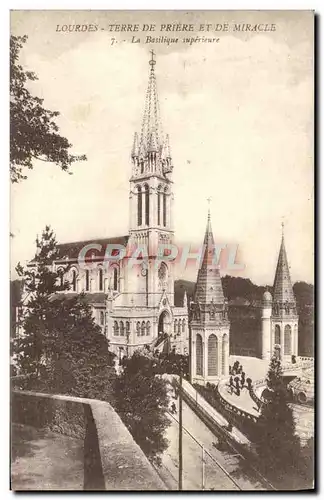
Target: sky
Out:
[239,114]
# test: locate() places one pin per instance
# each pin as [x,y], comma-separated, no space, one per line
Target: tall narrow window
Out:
[138,328]
[127,328]
[199,355]
[164,208]
[116,328]
[287,340]
[122,331]
[175,326]
[87,277]
[147,205]
[100,279]
[143,328]
[224,353]
[139,206]
[60,273]
[183,325]
[212,355]
[277,335]
[115,278]
[159,205]
[74,280]
[148,328]
[102,318]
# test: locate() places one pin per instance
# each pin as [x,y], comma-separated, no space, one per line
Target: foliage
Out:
[34,133]
[278,444]
[61,346]
[141,399]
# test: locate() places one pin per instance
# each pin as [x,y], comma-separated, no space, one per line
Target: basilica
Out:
[132,299]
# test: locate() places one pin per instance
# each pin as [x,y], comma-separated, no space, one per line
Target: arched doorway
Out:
[164,323]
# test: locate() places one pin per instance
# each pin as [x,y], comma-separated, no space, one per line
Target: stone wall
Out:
[112,459]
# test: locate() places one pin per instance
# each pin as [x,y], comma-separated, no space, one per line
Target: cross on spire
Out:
[282,228]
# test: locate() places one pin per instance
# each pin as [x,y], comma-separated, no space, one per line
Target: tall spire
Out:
[209,288]
[282,287]
[153,148]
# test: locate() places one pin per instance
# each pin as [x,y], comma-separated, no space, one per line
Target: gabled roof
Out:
[91,298]
[72,250]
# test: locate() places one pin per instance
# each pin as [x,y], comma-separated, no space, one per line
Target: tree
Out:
[61,346]
[34,134]
[142,402]
[278,443]
[40,283]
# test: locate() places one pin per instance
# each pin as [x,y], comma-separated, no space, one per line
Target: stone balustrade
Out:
[112,459]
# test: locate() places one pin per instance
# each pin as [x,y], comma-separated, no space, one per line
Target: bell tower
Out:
[284,317]
[151,202]
[209,359]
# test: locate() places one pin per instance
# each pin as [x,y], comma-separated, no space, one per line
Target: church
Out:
[132,298]
[134,303]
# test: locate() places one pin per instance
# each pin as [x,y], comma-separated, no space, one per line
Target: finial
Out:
[282,228]
[152,61]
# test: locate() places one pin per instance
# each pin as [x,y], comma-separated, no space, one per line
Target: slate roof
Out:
[209,285]
[91,298]
[282,287]
[72,249]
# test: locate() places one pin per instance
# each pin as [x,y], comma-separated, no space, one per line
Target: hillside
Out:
[245,300]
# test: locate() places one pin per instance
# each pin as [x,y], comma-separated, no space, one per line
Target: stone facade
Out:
[209,343]
[129,280]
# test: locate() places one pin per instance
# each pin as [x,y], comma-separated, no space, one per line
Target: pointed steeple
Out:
[209,288]
[282,287]
[151,138]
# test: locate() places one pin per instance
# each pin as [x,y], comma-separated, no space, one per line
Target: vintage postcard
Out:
[162,250]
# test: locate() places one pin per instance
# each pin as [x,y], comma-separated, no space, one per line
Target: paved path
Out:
[214,477]
[43,460]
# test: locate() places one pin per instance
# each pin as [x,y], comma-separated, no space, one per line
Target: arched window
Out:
[175,326]
[287,340]
[164,208]
[127,328]
[138,328]
[183,326]
[87,278]
[143,328]
[115,275]
[116,329]
[122,331]
[295,349]
[100,279]
[179,327]
[102,318]
[159,195]
[148,328]
[224,353]
[139,206]
[199,355]
[74,280]
[212,355]
[277,335]
[60,273]
[147,204]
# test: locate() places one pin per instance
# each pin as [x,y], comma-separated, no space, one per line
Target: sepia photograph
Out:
[162,250]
